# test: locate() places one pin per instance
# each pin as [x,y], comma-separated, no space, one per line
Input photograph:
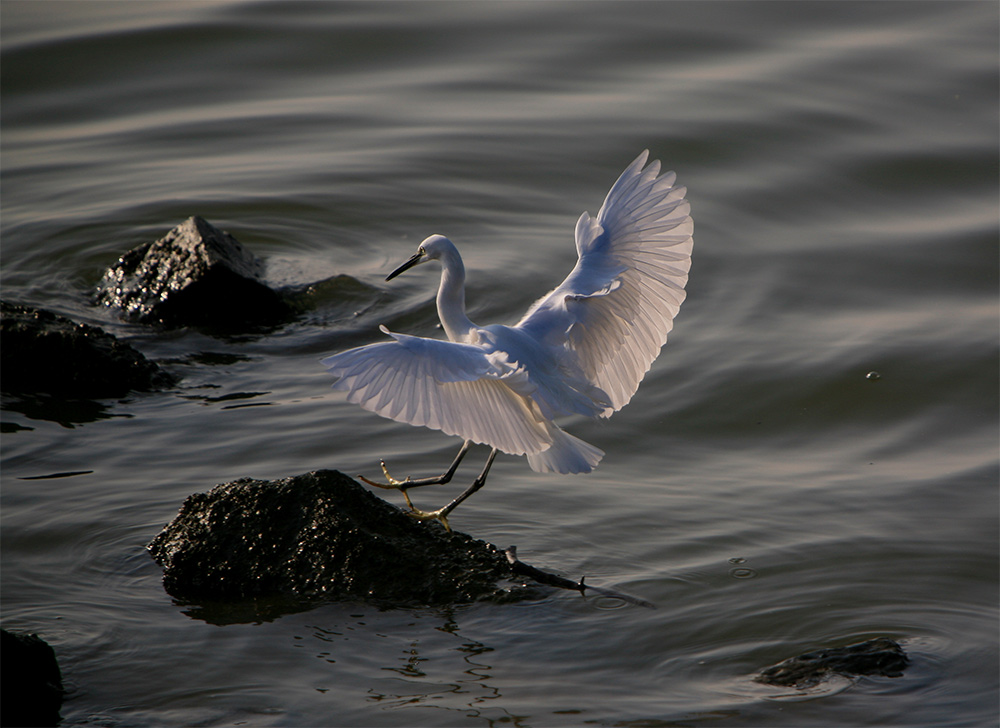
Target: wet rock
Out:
[319,535]
[43,352]
[31,681]
[196,275]
[881,656]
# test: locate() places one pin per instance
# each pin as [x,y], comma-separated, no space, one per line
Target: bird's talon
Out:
[430,516]
[391,483]
[386,486]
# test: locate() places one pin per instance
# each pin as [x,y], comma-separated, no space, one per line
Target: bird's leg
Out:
[442,513]
[403,485]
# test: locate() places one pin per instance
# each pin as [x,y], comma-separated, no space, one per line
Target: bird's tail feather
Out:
[567,454]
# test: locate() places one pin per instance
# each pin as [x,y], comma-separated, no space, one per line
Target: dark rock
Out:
[319,536]
[43,352]
[196,275]
[881,656]
[31,681]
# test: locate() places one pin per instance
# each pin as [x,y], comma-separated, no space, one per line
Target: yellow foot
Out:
[391,483]
[437,515]
[402,486]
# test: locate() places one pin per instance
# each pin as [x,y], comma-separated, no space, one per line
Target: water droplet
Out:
[742,573]
[873,376]
[737,560]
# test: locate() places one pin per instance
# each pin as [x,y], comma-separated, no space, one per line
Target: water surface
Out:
[761,489]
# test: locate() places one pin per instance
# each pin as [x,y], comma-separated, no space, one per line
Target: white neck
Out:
[451,298]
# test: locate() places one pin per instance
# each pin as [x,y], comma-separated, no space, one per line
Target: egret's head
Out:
[431,249]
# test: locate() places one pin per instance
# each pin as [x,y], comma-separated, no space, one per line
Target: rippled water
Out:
[765,493]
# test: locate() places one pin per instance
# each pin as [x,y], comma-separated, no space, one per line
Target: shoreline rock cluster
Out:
[196,275]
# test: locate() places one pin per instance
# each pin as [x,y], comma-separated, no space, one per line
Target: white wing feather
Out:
[614,310]
[442,385]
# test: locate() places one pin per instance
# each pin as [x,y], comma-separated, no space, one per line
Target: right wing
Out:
[613,312]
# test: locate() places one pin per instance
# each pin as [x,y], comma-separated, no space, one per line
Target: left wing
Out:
[442,385]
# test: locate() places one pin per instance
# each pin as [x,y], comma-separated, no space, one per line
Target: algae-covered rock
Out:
[881,656]
[43,352]
[31,681]
[319,535]
[196,275]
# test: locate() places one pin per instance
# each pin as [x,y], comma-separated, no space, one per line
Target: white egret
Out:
[580,350]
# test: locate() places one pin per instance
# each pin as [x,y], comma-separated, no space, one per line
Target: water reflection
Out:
[430,665]
[66,412]
[228,398]
[250,611]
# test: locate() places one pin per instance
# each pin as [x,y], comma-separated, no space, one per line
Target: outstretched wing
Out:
[613,312]
[442,385]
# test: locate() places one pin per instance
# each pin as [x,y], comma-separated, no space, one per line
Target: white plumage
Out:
[581,349]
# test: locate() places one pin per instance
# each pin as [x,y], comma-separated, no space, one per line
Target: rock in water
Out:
[196,275]
[880,656]
[318,535]
[31,681]
[43,352]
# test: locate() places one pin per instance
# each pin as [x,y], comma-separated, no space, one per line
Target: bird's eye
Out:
[421,251]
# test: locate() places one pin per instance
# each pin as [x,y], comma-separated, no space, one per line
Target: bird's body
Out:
[582,349]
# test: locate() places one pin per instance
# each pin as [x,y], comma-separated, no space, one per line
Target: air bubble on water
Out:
[608,603]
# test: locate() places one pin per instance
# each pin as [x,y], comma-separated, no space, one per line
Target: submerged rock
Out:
[196,275]
[31,681]
[43,352]
[881,656]
[319,535]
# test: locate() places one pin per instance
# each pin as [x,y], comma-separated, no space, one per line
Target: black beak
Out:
[417,257]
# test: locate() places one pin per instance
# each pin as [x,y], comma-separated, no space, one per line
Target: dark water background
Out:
[842,165]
